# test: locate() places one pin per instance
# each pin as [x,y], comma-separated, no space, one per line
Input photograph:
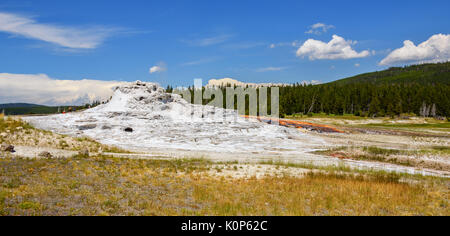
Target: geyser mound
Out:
[142,116]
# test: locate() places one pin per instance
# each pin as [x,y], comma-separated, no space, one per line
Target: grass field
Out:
[439,125]
[104,185]
[111,186]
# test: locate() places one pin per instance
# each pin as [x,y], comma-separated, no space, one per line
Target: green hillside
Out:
[419,89]
[33,109]
[421,74]
[12,105]
[30,110]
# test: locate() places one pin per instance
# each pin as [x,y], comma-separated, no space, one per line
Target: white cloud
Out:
[161,67]
[200,62]
[284,44]
[296,43]
[266,69]
[41,89]
[68,37]
[357,65]
[214,40]
[435,49]
[208,41]
[319,28]
[275,45]
[312,82]
[337,48]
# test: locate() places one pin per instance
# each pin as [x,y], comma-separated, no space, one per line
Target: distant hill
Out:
[13,105]
[34,109]
[420,89]
[420,74]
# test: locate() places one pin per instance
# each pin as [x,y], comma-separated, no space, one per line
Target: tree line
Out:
[366,99]
[362,99]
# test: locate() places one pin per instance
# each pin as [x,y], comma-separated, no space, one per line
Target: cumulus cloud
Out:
[161,67]
[435,49]
[337,48]
[319,28]
[41,89]
[67,37]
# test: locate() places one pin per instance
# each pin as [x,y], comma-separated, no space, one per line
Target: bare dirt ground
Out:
[415,142]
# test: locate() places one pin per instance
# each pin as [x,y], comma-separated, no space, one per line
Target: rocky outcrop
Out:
[87,127]
[84,152]
[45,154]
[6,148]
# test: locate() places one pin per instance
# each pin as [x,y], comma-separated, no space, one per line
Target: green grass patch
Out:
[14,182]
[383,151]
[441,148]
[29,206]
[324,115]
[445,125]
[12,125]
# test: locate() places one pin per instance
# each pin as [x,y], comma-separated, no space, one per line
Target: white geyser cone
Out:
[142,116]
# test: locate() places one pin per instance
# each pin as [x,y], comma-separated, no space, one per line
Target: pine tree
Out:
[374,106]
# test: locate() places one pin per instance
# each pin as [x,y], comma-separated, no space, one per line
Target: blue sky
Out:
[251,41]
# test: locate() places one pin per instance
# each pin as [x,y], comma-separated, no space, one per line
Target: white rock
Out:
[166,121]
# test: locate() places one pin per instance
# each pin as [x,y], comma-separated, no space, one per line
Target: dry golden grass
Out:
[111,186]
[320,194]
